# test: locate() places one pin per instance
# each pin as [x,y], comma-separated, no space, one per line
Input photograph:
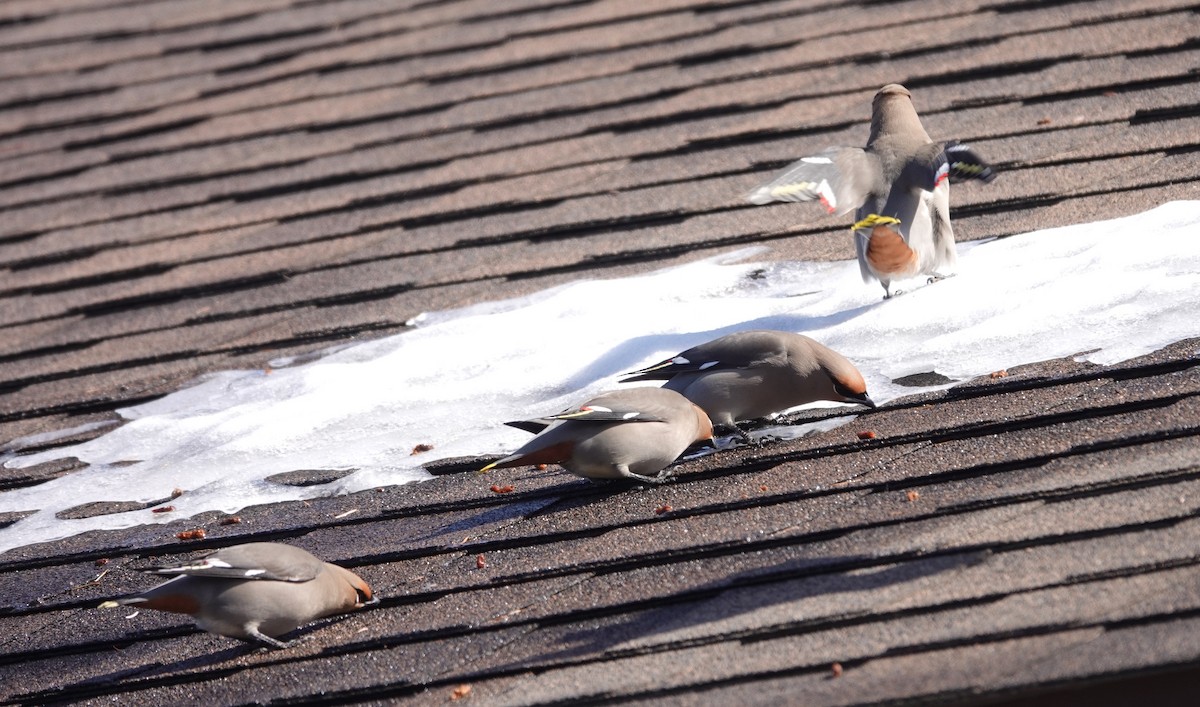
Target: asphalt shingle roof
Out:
[196,186]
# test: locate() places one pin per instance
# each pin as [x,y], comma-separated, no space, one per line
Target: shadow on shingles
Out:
[495,516]
[229,650]
[147,671]
[632,353]
[715,618]
[549,500]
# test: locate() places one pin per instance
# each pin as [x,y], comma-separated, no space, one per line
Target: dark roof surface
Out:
[197,186]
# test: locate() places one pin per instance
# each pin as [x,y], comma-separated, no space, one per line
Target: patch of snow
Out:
[1116,289]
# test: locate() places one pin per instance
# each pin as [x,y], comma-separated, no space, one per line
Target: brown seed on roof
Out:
[912,495]
[866,434]
[197,534]
[421,448]
[502,489]
[460,692]
[480,563]
[835,670]
[664,508]
[162,509]
[1002,373]
[231,520]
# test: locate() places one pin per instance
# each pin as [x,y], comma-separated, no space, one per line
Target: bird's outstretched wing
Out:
[966,164]
[841,178]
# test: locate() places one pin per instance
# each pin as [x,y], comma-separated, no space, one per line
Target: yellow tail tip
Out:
[489,467]
[874,220]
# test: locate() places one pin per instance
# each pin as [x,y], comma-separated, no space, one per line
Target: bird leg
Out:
[743,436]
[256,637]
[736,433]
[648,479]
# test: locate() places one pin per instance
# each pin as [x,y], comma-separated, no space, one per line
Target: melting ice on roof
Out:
[1116,289]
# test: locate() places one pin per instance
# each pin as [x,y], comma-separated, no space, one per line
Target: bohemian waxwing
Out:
[751,374]
[254,592]
[632,434]
[898,184]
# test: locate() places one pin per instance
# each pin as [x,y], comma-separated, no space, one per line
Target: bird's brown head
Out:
[356,593]
[888,98]
[892,89]
[853,389]
[892,113]
[704,428]
[849,386]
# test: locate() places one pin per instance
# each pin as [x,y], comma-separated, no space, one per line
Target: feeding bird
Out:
[254,592]
[897,183]
[632,434]
[751,374]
